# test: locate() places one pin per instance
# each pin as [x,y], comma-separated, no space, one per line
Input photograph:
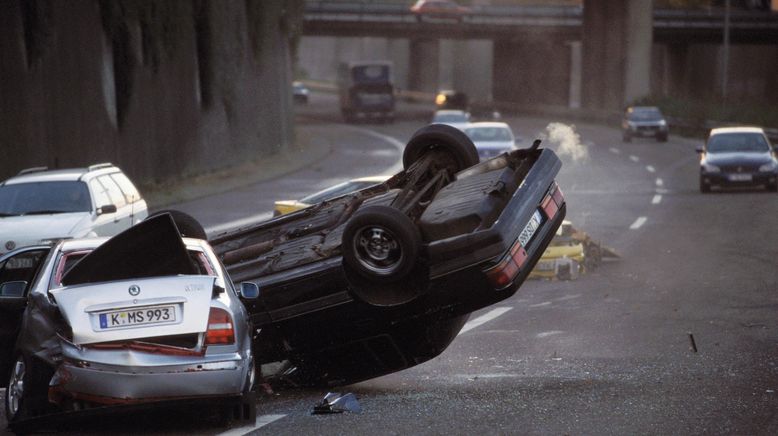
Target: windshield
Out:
[487,134]
[737,142]
[44,198]
[645,115]
[450,118]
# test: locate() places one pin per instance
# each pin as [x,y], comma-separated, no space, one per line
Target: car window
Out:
[131,194]
[113,190]
[21,267]
[487,134]
[737,142]
[450,118]
[44,197]
[100,193]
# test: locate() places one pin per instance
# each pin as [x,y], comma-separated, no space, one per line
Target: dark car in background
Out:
[366,90]
[300,92]
[644,122]
[738,157]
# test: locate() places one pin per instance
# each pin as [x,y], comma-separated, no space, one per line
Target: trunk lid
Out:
[136,309]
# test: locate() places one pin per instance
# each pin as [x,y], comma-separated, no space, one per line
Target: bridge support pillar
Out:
[617,38]
[424,65]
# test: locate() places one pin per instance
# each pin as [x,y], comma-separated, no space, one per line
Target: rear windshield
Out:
[737,142]
[487,134]
[44,198]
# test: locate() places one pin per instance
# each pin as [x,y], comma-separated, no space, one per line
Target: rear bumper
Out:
[148,377]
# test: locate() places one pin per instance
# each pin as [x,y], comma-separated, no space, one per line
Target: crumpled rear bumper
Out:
[138,377]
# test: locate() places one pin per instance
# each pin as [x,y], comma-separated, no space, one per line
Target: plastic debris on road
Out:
[334,402]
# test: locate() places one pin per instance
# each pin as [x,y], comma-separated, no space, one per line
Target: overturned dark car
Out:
[384,278]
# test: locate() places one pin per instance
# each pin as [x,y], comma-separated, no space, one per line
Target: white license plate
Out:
[530,229]
[740,177]
[137,317]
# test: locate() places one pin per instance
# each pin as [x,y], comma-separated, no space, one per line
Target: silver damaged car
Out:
[143,317]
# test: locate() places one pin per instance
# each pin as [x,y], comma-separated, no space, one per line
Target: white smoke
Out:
[566,139]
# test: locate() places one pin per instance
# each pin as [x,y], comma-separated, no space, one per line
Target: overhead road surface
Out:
[327,18]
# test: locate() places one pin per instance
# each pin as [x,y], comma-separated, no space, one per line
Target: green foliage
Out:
[698,112]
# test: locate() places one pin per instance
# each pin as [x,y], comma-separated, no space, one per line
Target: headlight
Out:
[771,166]
[708,168]
[662,123]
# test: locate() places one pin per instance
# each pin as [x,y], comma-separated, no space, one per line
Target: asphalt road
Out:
[609,353]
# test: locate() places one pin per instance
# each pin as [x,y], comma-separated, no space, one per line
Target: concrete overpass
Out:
[601,55]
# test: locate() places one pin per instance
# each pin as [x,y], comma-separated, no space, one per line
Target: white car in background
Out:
[454,118]
[40,205]
[491,138]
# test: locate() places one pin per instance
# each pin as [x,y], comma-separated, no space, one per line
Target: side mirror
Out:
[700,149]
[249,290]
[108,208]
[13,289]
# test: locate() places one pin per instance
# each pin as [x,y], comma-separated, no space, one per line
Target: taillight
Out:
[502,274]
[552,201]
[220,331]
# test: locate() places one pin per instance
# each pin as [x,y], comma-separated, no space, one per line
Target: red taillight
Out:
[220,331]
[552,201]
[502,274]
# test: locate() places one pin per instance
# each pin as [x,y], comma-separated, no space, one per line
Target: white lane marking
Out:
[249,220]
[483,319]
[545,303]
[614,150]
[660,182]
[261,422]
[548,333]
[634,158]
[650,169]
[657,199]
[638,223]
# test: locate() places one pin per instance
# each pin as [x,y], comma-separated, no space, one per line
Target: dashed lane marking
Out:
[250,429]
[657,199]
[614,150]
[638,223]
[660,182]
[634,158]
[483,319]
[650,169]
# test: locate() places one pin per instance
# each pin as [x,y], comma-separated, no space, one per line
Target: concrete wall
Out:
[532,72]
[160,88]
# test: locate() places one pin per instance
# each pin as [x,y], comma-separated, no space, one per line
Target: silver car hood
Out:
[188,296]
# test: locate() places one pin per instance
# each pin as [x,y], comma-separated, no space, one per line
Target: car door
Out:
[17,274]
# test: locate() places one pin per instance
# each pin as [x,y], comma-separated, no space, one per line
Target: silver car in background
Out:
[170,326]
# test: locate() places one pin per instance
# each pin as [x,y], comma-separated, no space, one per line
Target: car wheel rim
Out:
[378,250]
[15,389]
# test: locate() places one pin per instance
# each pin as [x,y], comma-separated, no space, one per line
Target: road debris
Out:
[334,402]
[691,340]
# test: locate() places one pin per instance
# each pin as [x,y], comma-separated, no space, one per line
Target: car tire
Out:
[773,187]
[380,245]
[26,395]
[626,137]
[441,137]
[187,225]
[662,138]
[704,187]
